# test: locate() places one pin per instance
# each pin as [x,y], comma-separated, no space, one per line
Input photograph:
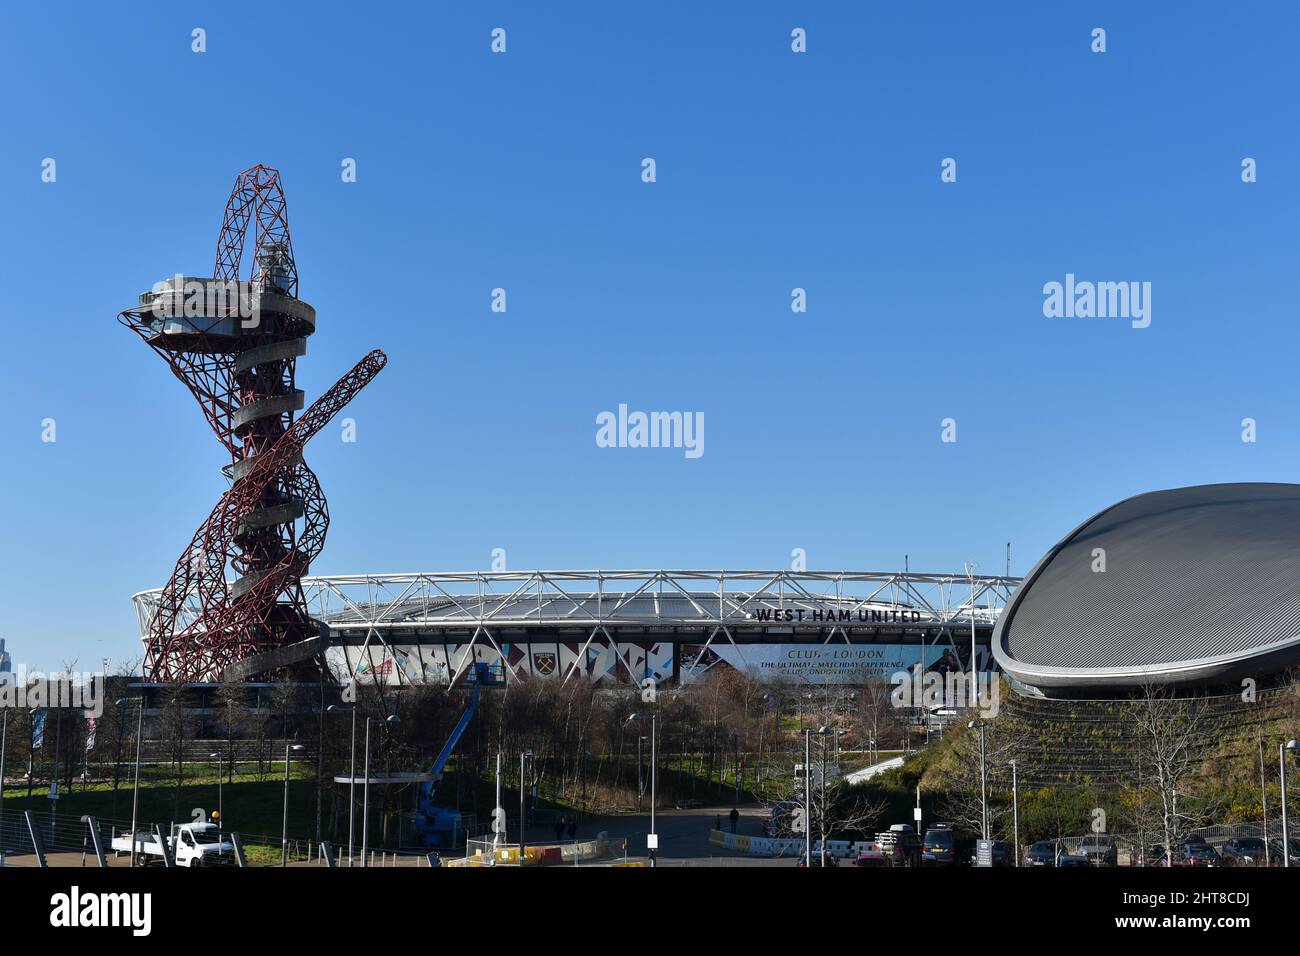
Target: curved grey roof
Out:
[1200,584]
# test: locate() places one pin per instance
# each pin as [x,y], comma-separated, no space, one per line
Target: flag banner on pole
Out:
[38,728]
[91,722]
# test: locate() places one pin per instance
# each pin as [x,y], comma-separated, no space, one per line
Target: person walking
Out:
[573,827]
[559,828]
[735,818]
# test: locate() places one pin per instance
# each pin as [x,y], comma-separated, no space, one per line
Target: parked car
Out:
[900,845]
[817,860]
[1196,853]
[1099,849]
[1243,851]
[1072,859]
[873,856]
[1153,855]
[1042,853]
[945,846]
[1275,851]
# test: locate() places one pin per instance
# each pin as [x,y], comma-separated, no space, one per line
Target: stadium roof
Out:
[1185,586]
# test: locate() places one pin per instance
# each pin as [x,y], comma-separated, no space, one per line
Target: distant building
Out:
[6,663]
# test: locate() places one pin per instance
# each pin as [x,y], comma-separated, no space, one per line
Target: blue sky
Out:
[775,170]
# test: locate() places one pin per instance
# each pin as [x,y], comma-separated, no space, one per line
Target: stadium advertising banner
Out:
[812,663]
[398,664]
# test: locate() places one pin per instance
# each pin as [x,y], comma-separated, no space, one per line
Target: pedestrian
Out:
[573,827]
[559,828]
[735,818]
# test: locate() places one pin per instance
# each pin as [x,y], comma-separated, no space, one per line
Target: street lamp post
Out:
[807,797]
[284,829]
[523,807]
[1015,814]
[984,798]
[365,800]
[640,763]
[823,732]
[654,850]
[1282,749]
[652,847]
[352,779]
[135,789]
[221,812]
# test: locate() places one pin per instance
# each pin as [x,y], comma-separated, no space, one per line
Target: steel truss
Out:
[613,606]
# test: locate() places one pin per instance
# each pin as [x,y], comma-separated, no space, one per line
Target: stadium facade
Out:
[661,625]
[1185,587]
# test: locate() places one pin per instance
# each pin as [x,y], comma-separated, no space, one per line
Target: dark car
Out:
[944,846]
[817,860]
[1042,853]
[1100,850]
[1153,855]
[1196,854]
[1244,851]
[1275,851]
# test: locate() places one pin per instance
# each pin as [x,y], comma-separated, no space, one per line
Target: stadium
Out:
[630,626]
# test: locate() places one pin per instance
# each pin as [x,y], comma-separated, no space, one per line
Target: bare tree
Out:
[1169,729]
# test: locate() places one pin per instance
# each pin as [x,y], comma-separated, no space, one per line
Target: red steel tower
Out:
[235,344]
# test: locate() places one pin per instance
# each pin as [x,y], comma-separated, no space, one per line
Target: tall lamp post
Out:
[524,757]
[365,799]
[823,732]
[1291,746]
[807,797]
[352,776]
[1015,814]
[652,844]
[284,829]
[135,789]
[984,797]
[221,811]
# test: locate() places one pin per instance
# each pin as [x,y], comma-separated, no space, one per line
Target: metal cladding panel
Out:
[1195,578]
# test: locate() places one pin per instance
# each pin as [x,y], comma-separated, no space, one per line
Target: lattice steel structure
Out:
[234,343]
[489,611]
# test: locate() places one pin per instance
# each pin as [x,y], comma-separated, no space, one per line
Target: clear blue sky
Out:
[775,170]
